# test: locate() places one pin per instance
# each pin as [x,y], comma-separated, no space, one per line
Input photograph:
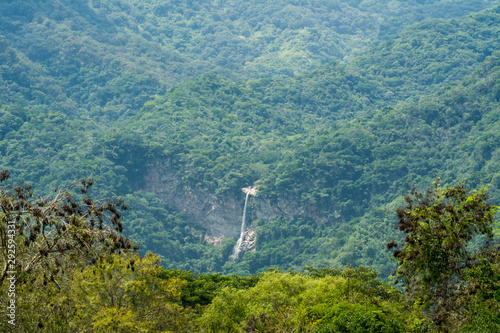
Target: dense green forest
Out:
[74,270]
[330,108]
[343,140]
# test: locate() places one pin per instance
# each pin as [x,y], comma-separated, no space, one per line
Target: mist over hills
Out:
[330,108]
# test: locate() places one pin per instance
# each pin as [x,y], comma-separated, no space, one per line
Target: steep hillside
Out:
[104,59]
[331,150]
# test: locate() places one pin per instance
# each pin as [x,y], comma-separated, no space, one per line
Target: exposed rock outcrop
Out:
[220,216]
[249,239]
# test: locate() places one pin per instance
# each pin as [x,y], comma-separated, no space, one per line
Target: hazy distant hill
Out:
[106,58]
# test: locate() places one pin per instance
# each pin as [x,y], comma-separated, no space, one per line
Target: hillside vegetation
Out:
[104,59]
[230,98]
[338,112]
[68,267]
[343,141]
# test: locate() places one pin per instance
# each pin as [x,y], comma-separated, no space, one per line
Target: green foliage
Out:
[127,294]
[114,89]
[201,289]
[119,293]
[435,261]
[282,302]
[106,58]
[341,171]
[419,61]
[483,293]
[40,238]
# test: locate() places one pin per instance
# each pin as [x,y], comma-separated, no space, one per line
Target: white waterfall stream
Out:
[237,247]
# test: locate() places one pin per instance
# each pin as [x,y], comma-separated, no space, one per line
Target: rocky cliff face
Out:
[220,216]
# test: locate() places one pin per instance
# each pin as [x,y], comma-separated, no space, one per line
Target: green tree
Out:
[328,300]
[41,237]
[436,257]
[127,294]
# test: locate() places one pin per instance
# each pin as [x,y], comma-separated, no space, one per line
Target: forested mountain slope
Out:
[340,142]
[106,58]
[331,150]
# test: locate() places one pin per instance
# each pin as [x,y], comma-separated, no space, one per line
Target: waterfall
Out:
[237,247]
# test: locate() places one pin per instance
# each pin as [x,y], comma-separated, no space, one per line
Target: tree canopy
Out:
[331,112]
[443,259]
